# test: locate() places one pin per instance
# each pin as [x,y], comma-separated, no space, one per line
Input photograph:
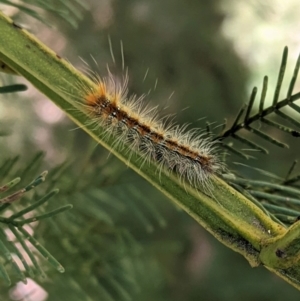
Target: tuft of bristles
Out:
[187,153]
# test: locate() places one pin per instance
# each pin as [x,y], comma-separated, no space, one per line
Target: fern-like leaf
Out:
[14,231]
[70,11]
[246,118]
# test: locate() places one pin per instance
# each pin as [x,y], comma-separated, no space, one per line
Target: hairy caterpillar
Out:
[185,152]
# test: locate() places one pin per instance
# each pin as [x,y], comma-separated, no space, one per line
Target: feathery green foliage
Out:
[16,225]
[70,11]
[115,261]
[263,115]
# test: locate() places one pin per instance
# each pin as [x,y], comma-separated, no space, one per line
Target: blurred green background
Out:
[123,240]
